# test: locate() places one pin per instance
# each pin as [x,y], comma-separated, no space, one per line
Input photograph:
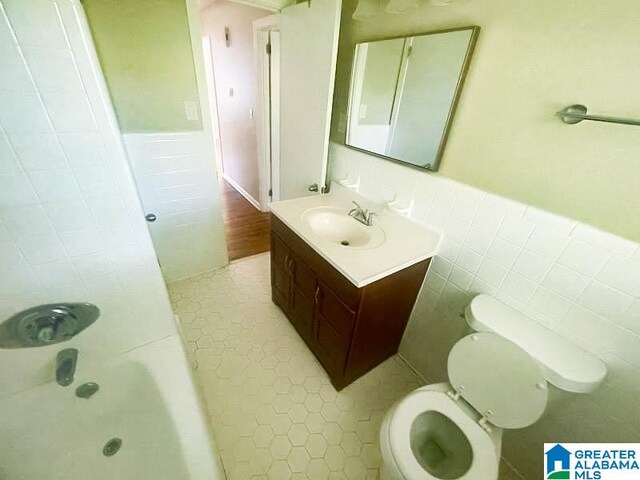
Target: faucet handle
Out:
[369,218]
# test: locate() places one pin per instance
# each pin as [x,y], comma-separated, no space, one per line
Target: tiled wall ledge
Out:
[575,279]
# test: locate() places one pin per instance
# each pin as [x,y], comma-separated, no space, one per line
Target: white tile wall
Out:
[572,278]
[71,226]
[176,178]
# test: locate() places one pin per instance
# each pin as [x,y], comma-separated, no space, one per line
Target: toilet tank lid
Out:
[563,363]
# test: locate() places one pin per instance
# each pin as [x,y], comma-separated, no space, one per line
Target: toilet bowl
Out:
[497,379]
[430,436]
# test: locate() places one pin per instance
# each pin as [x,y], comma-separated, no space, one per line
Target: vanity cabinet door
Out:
[302,297]
[333,328]
[281,261]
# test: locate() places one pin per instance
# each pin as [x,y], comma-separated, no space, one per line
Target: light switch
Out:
[231,92]
[191,110]
[251,113]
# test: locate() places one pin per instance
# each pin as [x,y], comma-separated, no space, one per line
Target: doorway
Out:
[246,228]
[238,50]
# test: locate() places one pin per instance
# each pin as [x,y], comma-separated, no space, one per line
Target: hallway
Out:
[246,228]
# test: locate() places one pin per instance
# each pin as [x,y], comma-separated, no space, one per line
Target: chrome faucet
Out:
[362,215]
[66,362]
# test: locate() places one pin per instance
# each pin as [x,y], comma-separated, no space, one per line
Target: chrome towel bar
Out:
[576,113]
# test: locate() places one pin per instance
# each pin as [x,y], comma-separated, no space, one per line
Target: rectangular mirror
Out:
[404,92]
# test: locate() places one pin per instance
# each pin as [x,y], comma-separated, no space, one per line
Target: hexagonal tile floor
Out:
[273,411]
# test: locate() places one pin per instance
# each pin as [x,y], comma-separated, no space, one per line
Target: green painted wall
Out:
[533,59]
[145,52]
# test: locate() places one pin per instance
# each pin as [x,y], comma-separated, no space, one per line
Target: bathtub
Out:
[146,398]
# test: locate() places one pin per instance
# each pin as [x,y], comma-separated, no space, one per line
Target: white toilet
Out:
[497,379]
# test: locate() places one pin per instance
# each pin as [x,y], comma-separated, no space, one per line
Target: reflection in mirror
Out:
[404,92]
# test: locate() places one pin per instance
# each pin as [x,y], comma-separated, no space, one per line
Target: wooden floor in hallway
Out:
[246,227]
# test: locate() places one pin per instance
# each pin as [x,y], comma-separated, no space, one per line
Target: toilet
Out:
[499,377]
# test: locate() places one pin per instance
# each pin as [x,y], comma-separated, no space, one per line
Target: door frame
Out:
[195,32]
[213,101]
[267,111]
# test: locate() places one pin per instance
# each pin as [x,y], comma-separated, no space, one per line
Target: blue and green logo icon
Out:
[558,461]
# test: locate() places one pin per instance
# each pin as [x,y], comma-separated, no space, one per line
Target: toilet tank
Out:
[563,363]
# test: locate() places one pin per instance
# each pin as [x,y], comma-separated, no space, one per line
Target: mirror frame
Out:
[475,32]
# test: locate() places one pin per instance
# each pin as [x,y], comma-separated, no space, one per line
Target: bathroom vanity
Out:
[350,303]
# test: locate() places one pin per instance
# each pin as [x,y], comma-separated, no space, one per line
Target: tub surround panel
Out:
[71,225]
[579,281]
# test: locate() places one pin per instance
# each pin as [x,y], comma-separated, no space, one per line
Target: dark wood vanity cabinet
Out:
[349,329]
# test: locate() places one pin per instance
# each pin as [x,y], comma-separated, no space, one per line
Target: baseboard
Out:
[242,191]
[198,274]
[411,367]
[250,257]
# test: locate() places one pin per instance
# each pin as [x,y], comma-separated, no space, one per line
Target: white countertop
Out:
[406,242]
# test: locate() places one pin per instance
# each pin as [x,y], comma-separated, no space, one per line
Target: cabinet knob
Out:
[150,217]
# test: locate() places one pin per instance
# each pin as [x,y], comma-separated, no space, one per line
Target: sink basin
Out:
[336,226]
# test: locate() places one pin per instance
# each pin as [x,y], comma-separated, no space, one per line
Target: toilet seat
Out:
[499,379]
[484,463]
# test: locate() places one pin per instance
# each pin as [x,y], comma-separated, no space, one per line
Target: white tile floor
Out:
[273,411]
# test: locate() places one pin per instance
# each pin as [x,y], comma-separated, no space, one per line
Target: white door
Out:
[308,51]
[274,95]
